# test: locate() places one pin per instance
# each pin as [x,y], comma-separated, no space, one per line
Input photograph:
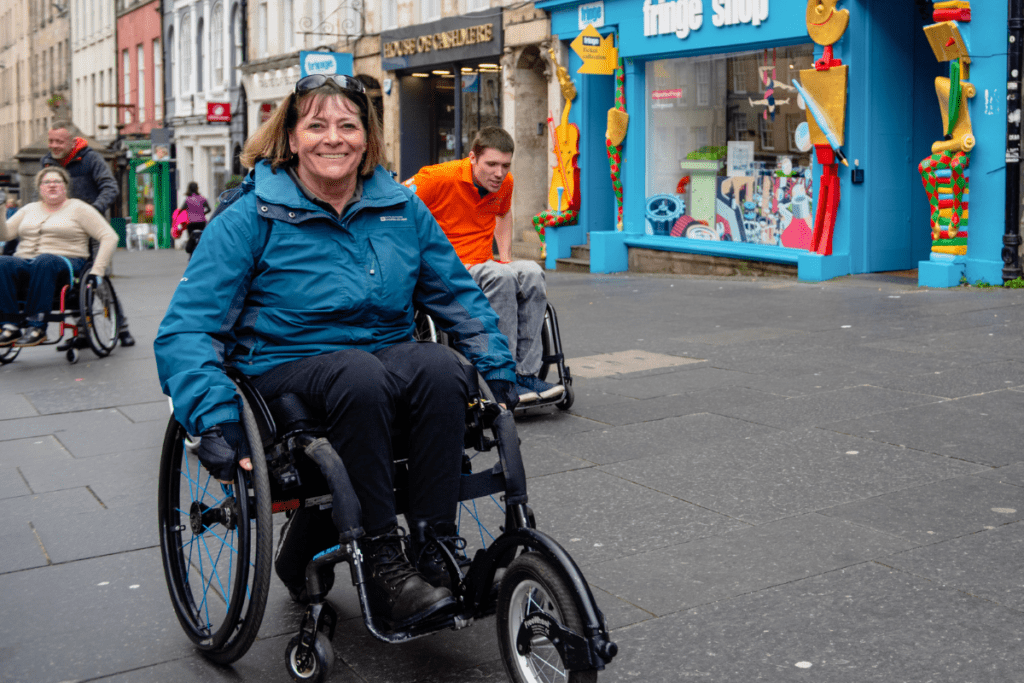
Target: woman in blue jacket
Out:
[306,283]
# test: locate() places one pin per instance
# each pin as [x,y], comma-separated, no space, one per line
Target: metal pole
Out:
[1011,230]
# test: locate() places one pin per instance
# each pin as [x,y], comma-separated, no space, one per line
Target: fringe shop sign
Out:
[682,17]
[445,40]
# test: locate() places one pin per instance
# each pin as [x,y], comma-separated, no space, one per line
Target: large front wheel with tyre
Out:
[533,592]
[99,314]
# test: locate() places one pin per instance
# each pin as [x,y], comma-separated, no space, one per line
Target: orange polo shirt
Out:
[466,218]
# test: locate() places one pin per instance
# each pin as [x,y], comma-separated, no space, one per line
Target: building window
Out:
[141,58]
[431,10]
[262,21]
[185,45]
[200,64]
[477,5]
[390,14]
[173,59]
[236,31]
[288,25]
[158,81]
[217,45]
[126,83]
[745,182]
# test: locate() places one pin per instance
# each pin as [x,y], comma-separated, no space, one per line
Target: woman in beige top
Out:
[53,236]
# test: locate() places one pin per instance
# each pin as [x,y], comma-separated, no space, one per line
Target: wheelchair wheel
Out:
[8,354]
[316,667]
[98,314]
[531,584]
[216,545]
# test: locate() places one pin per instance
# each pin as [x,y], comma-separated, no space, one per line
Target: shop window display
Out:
[726,157]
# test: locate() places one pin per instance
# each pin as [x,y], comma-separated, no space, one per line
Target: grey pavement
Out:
[762,480]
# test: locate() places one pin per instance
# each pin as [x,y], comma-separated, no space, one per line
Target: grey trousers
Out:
[518,295]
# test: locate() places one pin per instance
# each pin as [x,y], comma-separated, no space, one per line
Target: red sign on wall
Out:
[218,112]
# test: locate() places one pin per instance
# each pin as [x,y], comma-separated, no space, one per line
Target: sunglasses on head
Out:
[304,85]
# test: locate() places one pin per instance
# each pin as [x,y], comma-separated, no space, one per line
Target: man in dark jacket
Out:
[91,181]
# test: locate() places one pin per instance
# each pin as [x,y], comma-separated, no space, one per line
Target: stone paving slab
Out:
[82,620]
[12,406]
[782,474]
[670,383]
[94,534]
[959,382]
[1010,474]
[738,562]
[54,505]
[704,401]
[808,411]
[92,394]
[948,428]
[119,435]
[606,444]
[45,450]
[599,517]
[12,484]
[986,564]
[115,469]
[146,412]
[862,624]
[939,511]
[21,548]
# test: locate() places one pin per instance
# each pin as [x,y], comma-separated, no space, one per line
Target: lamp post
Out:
[1011,229]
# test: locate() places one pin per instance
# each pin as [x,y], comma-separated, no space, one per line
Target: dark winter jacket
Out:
[277,278]
[91,179]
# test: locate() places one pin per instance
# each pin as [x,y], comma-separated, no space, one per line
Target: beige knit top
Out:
[64,232]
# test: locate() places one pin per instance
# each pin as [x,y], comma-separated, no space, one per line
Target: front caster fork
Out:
[318,617]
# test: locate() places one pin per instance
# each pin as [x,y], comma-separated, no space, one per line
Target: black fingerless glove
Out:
[504,392]
[221,448]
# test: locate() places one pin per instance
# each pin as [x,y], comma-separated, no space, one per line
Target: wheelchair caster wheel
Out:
[316,665]
[567,398]
[72,355]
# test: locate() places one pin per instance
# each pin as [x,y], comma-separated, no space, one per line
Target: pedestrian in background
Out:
[92,182]
[196,206]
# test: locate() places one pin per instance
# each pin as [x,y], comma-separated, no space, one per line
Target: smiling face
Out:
[52,189]
[490,168]
[60,142]
[329,141]
[825,23]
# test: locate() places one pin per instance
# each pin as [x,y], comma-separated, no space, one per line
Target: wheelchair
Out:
[216,544]
[87,309]
[552,358]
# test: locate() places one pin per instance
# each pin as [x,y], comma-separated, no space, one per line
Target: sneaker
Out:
[9,335]
[126,338]
[405,594]
[34,337]
[428,558]
[544,390]
[525,395]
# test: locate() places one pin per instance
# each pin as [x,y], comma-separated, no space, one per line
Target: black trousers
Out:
[409,398]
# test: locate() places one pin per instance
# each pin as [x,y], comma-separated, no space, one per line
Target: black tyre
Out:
[547,338]
[567,398]
[317,666]
[532,584]
[426,330]
[98,314]
[8,354]
[216,545]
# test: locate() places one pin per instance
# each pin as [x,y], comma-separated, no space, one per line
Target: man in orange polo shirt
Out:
[471,199]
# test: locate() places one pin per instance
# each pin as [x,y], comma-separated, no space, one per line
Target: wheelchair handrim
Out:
[179,553]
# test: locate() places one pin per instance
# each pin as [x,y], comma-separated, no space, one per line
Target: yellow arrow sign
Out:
[598,53]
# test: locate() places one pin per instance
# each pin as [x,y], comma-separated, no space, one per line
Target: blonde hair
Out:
[59,170]
[270,141]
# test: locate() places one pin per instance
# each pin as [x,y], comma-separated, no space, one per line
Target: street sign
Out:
[598,53]
[319,62]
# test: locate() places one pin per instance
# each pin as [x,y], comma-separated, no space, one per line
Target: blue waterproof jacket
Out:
[277,278]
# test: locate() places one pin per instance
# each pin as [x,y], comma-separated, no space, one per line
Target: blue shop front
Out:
[862,138]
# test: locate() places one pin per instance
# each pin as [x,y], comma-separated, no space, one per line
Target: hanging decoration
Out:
[770,86]
[618,121]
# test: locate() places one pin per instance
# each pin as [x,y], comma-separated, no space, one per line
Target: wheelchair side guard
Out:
[590,650]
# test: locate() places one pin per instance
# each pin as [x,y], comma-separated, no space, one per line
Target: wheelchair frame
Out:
[81,308]
[552,357]
[547,617]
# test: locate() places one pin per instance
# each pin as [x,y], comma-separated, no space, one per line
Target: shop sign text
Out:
[682,17]
[444,40]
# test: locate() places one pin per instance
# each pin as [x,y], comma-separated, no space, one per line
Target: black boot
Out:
[427,556]
[406,595]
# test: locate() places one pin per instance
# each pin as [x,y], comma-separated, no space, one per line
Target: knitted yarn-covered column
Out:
[618,120]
